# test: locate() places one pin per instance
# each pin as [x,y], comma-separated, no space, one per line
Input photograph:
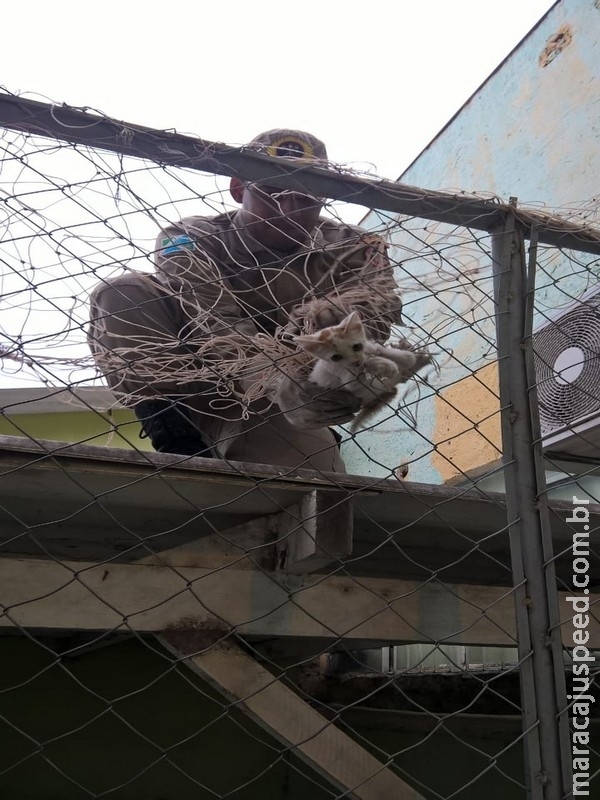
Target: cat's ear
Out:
[305,338]
[324,335]
[313,343]
[352,323]
[310,345]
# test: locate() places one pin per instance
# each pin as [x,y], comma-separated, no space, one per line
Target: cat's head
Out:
[343,344]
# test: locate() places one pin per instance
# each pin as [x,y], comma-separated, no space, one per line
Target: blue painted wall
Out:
[531,131]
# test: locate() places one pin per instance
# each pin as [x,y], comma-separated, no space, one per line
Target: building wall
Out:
[531,131]
[117,428]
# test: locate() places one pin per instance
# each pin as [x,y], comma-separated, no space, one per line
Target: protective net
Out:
[288,509]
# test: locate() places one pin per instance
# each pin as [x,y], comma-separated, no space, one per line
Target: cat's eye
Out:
[337,357]
[357,347]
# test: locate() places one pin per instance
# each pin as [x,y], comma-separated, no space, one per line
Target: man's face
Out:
[278,218]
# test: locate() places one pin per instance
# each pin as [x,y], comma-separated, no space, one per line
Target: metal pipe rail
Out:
[83,127]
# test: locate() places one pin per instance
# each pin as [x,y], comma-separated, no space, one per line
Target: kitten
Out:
[346,359]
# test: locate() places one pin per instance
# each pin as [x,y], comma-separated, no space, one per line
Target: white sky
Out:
[375,80]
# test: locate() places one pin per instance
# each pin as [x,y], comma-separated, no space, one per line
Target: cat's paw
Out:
[409,361]
[382,368]
[422,359]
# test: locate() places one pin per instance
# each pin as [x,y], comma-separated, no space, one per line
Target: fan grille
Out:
[567,366]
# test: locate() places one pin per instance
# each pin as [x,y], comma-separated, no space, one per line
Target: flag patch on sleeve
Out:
[177,244]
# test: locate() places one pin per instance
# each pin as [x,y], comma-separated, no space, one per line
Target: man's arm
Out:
[186,264]
[363,281]
[187,267]
[308,406]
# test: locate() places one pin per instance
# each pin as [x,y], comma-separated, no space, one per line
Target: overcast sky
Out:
[376,80]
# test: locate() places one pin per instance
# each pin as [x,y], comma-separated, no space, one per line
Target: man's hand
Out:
[308,406]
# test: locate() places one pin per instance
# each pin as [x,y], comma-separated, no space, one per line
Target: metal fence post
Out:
[541,667]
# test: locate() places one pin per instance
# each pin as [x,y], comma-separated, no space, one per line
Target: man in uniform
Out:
[248,271]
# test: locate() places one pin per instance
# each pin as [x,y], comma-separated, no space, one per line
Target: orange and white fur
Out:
[346,359]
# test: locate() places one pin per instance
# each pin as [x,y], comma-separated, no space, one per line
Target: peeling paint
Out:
[556,44]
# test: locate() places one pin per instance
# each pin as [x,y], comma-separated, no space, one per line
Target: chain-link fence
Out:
[309,509]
